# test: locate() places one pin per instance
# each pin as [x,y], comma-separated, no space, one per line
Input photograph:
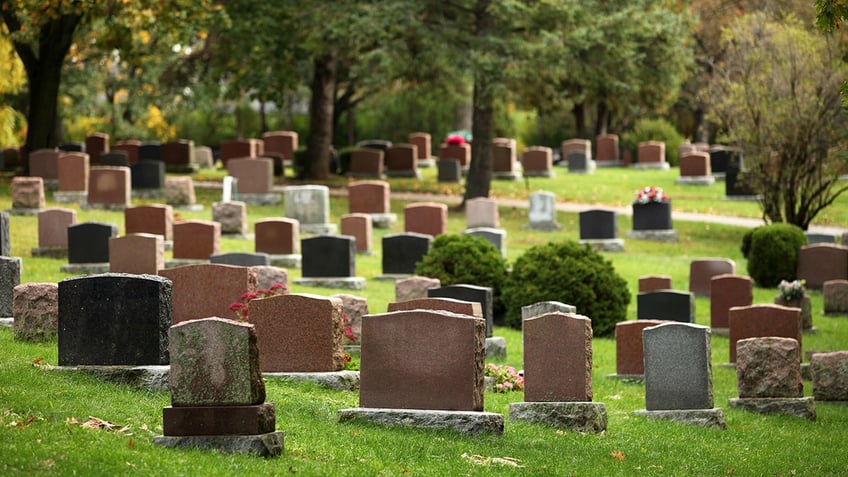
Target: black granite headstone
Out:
[734,181]
[88,242]
[670,305]
[5,238]
[326,256]
[482,295]
[72,147]
[652,216]
[375,144]
[577,161]
[449,170]
[242,259]
[115,158]
[10,277]
[402,251]
[598,224]
[719,159]
[114,319]
[148,174]
[151,151]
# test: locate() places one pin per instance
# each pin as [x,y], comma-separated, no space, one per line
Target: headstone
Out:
[545,307]
[359,227]
[756,321]
[695,169]
[495,236]
[651,155]
[278,237]
[578,163]
[310,206]
[701,271]
[581,146]
[448,342]
[268,275]
[232,216]
[178,155]
[283,143]
[599,229]
[328,256]
[239,148]
[373,198]
[88,242]
[44,163]
[150,151]
[830,379]
[217,391]
[115,158]
[74,172]
[537,161]
[255,180]
[423,144]
[114,319]
[196,240]
[678,375]
[241,259]
[53,232]
[366,162]
[835,297]
[179,192]
[35,309]
[821,262]
[354,307]
[652,221]
[430,218]
[27,195]
[629,355]
[666,305]
[137,253]
[402,161]
[10,158]
[606,150]
[95,145]
[205,290]
[415,287]
[10,277]
[148,175]
[109,187]
[131,147]
[402,251]
[470,308]
[460,152]
[649,283]
[72,147]
[720,158]
[813,238]
[474,293]
[449,171]
[154,219]
[504,164]
[542,212]
[482,212]
[736,186]
[203,157]
[727,291]
[6,235]
[299,333]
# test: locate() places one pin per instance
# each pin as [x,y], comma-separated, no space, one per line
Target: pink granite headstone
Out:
[196,239]
[629,353]
[701,272]
[726,291]
[255,175]
[606,148]
[27,193]
[429,218]
[757,321]
[359,227]
[368,197]
[150,219]
[558,358]
[821,262]
[414,287]
[769,367]
[74,172]
[277,236]
[35,309]
[137,253]
[207,289]
[109,185]
[648,283]
[53,227]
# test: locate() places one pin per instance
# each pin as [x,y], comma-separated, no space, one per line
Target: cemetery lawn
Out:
[58,422]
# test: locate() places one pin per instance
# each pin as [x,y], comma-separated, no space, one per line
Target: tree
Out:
[776,95]
[11,83]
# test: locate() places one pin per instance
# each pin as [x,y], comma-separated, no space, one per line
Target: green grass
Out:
[38,406]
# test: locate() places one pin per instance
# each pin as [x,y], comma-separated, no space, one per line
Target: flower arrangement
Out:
[650,194]
[506,378]
[455,140]
[241,308]
[791,290]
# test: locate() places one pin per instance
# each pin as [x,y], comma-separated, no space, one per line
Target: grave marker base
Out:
[189,207]
[627,377]
[543,226]
[745,198]
[426,163]
[804,407]
[262,445]
[654,235]
[260,199]
[415,174]
[71,197]
[695,180]
[151,378]
[664,166]
[348,283]
[612,163]
[147,193]
[112,207]
[54,252]
[698,417]
[286,261]
[507,176]
[383,221]
[546,173]
[319,229]
[337,380]
[465,422]
[21,211]
[393,276]
[7,322]
[574,416]
[82,268]
[605,245]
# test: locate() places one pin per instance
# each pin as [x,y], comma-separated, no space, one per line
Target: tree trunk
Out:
[263,116]
[319,139]
[602,121]
[480,171]
[579,120]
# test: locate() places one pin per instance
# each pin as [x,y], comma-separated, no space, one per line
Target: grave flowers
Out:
[650,194]
[651,209]
[455,140]
[506,378]
[241,308]
[793,294]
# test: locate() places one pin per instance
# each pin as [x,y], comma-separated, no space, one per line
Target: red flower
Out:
[455,140]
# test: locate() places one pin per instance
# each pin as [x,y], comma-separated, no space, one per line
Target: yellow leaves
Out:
[41,364]
[485,460]
[157,123]
[144,37]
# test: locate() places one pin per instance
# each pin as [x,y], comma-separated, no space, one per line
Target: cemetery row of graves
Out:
[256,239]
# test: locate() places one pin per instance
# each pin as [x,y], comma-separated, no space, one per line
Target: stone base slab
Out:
[338,380]
[53,252]
[80,268]
[605,245]
[189,207]
[152,378]
[349,283]
[426,163]
[627,377]
[654,235]
[699,417]
[465,422]
[103,206]
[286,261]
[319,229]
[412,173]
[23,211]
[7,322]
[71,197]
[218,420]
[262,445]
[544,173]
[383,221]
[804,407]
[543,226]
[393,276]
[574,416]
[496,347]
[663,166]
[695,180]
[260,199]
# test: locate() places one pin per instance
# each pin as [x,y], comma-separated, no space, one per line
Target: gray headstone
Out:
[482,295]
[678,370]
[545,307]
[402,251]
[598,224]
[242,259]
[114,319]
[88,242]
[449,170]
[813,238]
[668,305]
[5,238]
[309,204]
[542,211]
[148,174]
[577,161]
[10,277]
[327,256]
[494,236]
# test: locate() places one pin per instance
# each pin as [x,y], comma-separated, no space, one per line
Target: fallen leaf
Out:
[618,455]
[41,364]
[131,444]
[484,460]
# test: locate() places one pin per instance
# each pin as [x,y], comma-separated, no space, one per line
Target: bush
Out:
[654,130]
[456,259]
[570,273]
[773,253]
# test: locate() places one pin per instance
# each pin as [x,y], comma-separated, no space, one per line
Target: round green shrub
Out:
[773,253]
[654,130]
[457,259]
[746,242]
[570,273]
